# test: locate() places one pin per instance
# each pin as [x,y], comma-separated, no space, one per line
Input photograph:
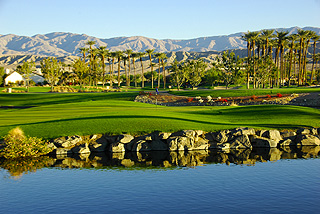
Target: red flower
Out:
[279,95]
[225,100]
[268,96]
[254,97]
[190,100]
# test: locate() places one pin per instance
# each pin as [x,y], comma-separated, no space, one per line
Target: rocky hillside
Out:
[11,61]
[67,44]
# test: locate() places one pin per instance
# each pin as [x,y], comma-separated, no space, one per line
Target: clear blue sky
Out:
[173,19]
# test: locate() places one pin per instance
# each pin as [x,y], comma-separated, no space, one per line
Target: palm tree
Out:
[293,39]
[119,55]
[309,36]
[113,56]
[163,56]
[254,38]
[129,52]
[302,35]
[315,38]
[247,37]
[158,55]
[125,58]
[84,51]
[103,53]
[134,56]
[149,52]
[142,54]
[281,38]
[266,35]
[90,43]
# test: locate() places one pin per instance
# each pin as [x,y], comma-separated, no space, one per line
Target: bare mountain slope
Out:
[66,44]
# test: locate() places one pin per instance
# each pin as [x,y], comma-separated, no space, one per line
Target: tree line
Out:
[279,58]
[274,59]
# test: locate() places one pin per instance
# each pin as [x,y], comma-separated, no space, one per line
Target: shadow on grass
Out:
[263,110]
[132,117]
[32,99]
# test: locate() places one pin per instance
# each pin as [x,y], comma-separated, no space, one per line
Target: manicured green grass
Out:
[57,115]
[243,92]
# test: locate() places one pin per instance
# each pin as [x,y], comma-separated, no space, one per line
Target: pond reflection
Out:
[158,159]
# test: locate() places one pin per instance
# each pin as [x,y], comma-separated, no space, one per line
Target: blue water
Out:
[282,186]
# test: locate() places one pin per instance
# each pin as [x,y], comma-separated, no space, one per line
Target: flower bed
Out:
[172,100]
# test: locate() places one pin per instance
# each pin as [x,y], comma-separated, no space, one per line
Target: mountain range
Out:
[60,44]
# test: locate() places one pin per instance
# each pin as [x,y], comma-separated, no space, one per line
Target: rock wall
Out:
[186,140]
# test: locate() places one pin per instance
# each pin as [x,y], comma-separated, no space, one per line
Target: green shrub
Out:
[19,145]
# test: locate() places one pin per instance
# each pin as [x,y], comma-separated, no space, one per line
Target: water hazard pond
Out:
[285,180]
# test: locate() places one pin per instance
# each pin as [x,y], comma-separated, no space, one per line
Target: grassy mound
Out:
[55,115]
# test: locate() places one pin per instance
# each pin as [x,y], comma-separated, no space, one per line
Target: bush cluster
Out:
[19,145]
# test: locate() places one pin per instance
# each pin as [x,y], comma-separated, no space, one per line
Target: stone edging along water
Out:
[186,140]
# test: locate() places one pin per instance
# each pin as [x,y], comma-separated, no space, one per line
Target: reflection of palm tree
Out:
[149,52]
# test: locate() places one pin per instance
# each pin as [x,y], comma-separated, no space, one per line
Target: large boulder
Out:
[67,142]
[307,140]
[287,134]
[99,145]
[303,131]
[117,147]
[125,138]
[287,142]
[158,145]
[241,142]
[81,149]
[272,134]
[222,136]
[141,146]
[257,141]
[201,144]
[63,151]
[243,131]
[178,143]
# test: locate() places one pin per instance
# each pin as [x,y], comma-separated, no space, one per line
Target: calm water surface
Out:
[266,181]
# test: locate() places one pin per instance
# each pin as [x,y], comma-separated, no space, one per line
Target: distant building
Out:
[14,78]
[37,78]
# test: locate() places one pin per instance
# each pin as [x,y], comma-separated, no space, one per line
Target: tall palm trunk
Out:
[119,60]
[299,63]
[111,75]
[125,69]
[159,72]
[134,71]
[151,70]
[313,60]
[129,72]
[163,73]
[142,77]
[248,64]
[290,62]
